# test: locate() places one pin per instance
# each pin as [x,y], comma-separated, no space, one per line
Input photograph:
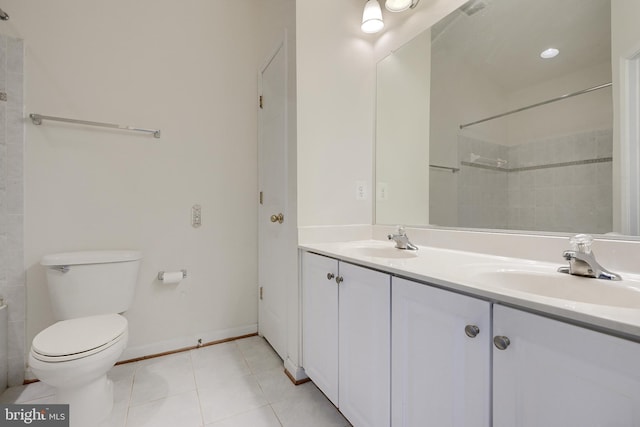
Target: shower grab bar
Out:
[549,101]
[38,118]
[449,168]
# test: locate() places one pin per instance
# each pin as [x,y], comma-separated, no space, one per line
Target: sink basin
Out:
[382,252]
[551,284]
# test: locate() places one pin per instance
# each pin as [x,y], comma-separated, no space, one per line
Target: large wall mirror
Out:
[475,129]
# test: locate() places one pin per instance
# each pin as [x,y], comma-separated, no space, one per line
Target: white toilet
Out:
[88,291]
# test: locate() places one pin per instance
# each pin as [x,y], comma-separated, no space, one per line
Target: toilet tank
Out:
[91,282]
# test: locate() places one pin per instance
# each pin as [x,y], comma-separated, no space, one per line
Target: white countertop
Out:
[463,272]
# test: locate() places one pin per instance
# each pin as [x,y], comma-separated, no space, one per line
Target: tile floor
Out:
[235,384]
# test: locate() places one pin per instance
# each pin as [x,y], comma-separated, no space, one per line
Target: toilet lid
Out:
[76,338]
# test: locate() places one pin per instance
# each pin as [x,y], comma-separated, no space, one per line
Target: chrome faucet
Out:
[582,261]
[402,241]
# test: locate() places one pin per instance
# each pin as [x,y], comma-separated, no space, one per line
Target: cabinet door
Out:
[554,374]
[440,376]
[364,346]
[320,322]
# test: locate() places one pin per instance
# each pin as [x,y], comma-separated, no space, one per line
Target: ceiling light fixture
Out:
[549,53]
[400,5]
[372,17]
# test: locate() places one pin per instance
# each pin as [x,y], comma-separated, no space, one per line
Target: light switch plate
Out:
[196,216]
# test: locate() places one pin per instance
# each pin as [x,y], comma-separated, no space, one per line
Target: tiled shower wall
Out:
[482,193]
[12,283]
[556,184]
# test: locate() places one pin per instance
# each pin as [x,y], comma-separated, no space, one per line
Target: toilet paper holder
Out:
[161,275]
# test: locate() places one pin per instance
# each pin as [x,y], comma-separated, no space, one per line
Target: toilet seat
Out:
[77,338]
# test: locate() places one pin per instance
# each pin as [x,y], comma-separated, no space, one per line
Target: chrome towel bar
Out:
[38,118]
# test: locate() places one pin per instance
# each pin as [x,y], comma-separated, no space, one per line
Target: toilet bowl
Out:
[89,291]
[74,356]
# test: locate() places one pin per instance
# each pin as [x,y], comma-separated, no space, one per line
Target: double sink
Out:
[509,276]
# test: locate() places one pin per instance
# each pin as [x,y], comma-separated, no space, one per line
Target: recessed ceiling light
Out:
[549,53]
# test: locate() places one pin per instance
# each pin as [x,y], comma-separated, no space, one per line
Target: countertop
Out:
[462,272]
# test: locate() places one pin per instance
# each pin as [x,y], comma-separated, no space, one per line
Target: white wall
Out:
[335,83]
[336,96]
[189,69]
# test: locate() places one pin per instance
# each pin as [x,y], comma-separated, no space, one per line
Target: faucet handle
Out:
[401,230]
[581,243]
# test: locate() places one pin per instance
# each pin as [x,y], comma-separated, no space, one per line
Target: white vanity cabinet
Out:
[392,352]
[346,337]
[441,357]
[554,374]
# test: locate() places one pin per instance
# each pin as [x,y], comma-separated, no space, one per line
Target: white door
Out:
[553,374]
[441,357]
[272,211]
[320,322]
[364,346]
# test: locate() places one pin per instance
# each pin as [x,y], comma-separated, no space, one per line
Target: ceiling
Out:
[504,39]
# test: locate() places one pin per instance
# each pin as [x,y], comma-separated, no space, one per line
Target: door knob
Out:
[339,280]
[471,330]
[277,218]
[330,276]
[501,342]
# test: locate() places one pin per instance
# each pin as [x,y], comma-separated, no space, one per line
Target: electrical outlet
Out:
[382,192]
[361,190]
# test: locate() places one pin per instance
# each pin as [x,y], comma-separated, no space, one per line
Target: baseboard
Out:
[186,343]
[180,350]
[29,377]
[295,373]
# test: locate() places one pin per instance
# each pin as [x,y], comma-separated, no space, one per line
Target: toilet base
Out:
[89,404]
[82,383]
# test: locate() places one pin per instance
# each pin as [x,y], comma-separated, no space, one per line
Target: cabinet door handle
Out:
[339,279]
[471,330]
[501,342]
[330,276]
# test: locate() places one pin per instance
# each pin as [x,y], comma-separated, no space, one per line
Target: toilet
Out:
[89,291]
